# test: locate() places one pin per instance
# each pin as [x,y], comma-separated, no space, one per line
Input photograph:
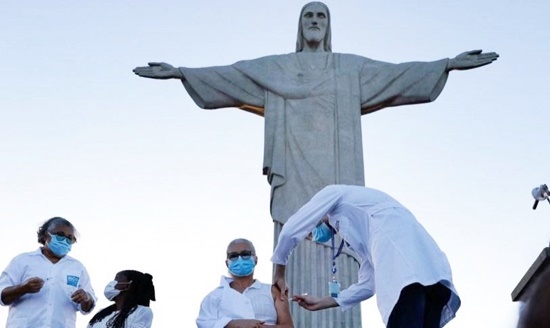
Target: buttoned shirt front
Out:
[51,306]
[224,304]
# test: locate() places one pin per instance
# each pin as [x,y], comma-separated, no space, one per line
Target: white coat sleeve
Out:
[300,224]
[360,291]
[209,314]
[11,275]
[86,285]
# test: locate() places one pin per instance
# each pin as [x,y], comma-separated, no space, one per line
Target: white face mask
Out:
[110,291]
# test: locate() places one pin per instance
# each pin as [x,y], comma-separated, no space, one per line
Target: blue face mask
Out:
[57,246]
[322,233]
[241,268]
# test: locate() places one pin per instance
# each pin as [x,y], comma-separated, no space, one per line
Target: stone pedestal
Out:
[523,288]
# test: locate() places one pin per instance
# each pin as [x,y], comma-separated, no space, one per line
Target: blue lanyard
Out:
[334,256]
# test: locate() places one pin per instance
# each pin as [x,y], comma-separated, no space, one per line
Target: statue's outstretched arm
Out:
[159,71]
[471,59]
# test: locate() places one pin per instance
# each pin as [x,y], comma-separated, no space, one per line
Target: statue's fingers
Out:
[146,71]
[489,55]
[140,70]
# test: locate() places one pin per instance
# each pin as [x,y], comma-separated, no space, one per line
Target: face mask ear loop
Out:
[127,285]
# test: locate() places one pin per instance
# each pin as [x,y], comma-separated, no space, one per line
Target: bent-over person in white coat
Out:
[399,260]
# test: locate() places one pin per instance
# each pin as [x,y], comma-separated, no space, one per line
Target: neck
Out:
[49,255]
[119,300]
[313,47]
[242,283]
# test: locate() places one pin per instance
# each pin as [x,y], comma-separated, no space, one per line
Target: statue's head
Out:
[314,26]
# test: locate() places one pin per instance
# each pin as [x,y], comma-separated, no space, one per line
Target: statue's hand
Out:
[158,71]
[471,59]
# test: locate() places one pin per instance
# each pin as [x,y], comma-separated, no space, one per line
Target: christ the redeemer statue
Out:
[312,101]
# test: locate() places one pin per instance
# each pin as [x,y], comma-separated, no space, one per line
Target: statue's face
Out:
[314,23]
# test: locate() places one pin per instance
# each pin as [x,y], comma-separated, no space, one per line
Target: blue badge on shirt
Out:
[72,281]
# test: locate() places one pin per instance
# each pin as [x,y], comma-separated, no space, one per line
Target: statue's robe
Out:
[312,105]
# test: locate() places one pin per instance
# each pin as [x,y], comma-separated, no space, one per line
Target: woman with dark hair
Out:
[46,287]
[131,291]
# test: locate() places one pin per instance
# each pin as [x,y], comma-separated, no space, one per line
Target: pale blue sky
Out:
[153,183]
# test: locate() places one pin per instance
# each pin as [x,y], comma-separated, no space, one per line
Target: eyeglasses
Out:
[245,255]
[60,236]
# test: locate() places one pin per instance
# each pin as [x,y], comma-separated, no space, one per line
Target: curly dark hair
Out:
[141,292]
[50,224]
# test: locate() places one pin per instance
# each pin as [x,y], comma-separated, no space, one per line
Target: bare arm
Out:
[284,318]
[279,281]
[13,293]
[158,70]
[471,59]
[313,303]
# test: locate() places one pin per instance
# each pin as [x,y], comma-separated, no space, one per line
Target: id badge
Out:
[334,288]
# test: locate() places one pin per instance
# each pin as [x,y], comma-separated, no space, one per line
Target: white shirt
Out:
[142,317]
[52,306]
[394,248]
[224,304]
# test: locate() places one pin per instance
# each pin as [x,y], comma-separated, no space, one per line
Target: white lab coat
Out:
[224,304]
[51,306]
[394,249]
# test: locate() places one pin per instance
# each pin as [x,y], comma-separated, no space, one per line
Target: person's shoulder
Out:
[73,262]
[144,309]
[262,285]
[355,189]
[69,258]
[141,316]
[26,255]
[263,288]
[346,187]
[334,188]
[215,293]
[343,190]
